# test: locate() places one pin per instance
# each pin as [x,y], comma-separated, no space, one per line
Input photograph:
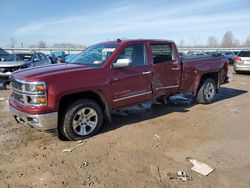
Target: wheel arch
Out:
[96,96]
[213,75]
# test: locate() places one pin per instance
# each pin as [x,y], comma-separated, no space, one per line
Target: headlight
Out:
[36,93]
[37,87]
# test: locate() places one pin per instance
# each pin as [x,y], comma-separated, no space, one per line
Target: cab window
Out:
[136,53]
[162,53]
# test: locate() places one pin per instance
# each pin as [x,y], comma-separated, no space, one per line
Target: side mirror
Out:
[122,63]
[35,60]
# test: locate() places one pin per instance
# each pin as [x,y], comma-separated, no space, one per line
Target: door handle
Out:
[113,79]
[147,72]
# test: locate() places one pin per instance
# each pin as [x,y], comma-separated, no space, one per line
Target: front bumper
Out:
[6,75]
[43,122]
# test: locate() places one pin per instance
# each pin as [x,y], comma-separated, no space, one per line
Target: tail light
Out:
[237,59]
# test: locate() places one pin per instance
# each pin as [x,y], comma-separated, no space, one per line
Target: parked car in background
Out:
[58,57]
[196,53]
[181,54]
[230,56]
[213,53]
[3,54]
[236,52]
[70,57]
[242,62]
[17,61]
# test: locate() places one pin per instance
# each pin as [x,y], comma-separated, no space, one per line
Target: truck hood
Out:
[5,64]
[44,73]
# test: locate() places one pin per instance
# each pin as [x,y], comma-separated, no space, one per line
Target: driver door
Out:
[132,84]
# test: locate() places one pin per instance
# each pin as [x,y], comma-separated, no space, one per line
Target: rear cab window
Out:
[162,53]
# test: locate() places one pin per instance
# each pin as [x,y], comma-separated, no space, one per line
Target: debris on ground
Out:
[235,110]
[157,103]
[141,107]
[43,147]
[180,175]
[73,148]
[85,164]
[155,171]
[182,98]
[157,136]
[200,167]
[120,113]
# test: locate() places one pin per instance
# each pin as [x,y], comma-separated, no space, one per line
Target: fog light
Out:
[33,120]
[37,100]
[41,100]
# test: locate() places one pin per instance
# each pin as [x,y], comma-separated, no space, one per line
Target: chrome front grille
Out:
[16,85]
[21,95]
[17,91]
[18,97]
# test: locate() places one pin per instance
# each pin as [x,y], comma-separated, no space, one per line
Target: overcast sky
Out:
[87,22]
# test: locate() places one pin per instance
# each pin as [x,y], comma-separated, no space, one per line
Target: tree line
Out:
[42,44]
[228,41]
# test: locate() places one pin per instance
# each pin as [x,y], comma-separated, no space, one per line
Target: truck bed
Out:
[195,66]
[198,57]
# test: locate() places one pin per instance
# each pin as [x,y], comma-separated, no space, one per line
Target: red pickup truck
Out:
[75,98]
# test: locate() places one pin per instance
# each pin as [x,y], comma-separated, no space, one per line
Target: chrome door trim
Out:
[167,87]
[131,96]
[147,72]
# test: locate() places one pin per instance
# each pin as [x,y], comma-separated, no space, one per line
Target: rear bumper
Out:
[43,122]
[243,67]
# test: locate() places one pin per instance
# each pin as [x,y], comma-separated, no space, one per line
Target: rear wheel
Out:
[206,92]
[81,120]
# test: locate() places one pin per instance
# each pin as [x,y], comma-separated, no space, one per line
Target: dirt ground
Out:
[138,150]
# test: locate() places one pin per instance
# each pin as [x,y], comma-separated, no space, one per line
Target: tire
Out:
[81,120]
[206,91]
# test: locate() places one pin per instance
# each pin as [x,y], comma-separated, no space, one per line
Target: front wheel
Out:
[81,120]
[206,92]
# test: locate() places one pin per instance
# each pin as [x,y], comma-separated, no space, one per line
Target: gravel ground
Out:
[137,150]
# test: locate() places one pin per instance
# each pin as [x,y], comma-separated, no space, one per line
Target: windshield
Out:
[17,57]
[95,55]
